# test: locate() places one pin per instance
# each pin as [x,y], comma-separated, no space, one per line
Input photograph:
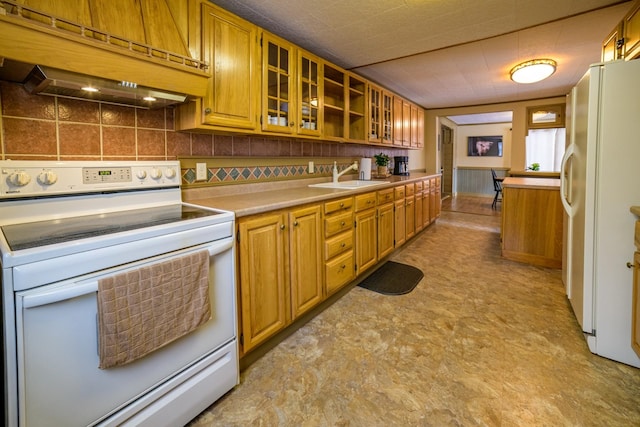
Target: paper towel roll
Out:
[365,169]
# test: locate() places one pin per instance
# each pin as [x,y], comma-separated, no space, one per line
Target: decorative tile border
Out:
[258,173]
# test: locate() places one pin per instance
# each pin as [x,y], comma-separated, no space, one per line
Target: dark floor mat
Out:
[393,278]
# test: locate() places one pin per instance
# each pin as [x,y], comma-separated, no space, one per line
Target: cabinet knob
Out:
[343,244]
[281,226]
[629,265]
[342,223]
[292,124]
[295,223]
[342,205]
[207,110]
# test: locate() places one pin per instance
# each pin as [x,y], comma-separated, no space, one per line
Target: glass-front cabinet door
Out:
[387,117]
[277,84]
[309,99]
[375,113]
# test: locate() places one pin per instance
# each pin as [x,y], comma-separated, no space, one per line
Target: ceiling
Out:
[445,53]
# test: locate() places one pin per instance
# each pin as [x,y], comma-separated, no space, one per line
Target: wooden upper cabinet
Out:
[612,46]
[631,32]
[310,84]
[278,62]
[334,102]
[230,46]
[357,101]
[623,42]
[375,114]
[397,121]
[387,117]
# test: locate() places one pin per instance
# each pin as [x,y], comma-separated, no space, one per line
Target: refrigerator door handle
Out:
[563,180]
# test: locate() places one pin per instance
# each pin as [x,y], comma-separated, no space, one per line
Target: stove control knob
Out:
[156,173]
[47,178]
[170,173]
[19,179]
[141,174]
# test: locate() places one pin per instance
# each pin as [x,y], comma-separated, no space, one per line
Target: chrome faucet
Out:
[337,175]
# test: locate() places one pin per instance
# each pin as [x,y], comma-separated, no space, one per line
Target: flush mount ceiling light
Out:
[533,71]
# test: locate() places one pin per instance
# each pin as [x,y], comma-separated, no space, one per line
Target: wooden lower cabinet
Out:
[264,279]
[385,221]
[410,211]
[366,231]
[400,221]
[635,319]
[306,240]
[281,270]
[338,247]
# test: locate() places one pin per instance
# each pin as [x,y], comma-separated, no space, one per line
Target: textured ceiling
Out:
[445,53]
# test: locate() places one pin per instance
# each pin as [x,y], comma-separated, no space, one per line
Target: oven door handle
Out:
[60,294]
[219,247]
[79,289]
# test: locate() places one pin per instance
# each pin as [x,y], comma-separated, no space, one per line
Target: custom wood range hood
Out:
[140,49]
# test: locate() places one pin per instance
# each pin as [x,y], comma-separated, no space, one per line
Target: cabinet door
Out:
[632,33]
[375,114]
[310,84]
[264,281]
[397,121]
[387,117]
[399,224]
[365,240]
[410,212]
[413,120]
[438,197]
[230,46]
[420,143]
[385,230]
[306,259]
[406,124]
[432,200]
[426,203]
[419,223]
[610,49]
[277,84]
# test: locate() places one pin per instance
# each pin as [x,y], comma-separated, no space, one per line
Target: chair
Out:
[497,186]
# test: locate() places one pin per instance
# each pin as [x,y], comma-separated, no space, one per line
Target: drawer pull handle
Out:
[342,223]
[343,244]
[342,205]
[343,266]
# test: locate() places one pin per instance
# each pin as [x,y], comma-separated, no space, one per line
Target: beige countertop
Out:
[539,183]
[258,199]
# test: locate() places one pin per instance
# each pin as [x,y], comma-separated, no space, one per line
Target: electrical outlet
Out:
[311,167]
[201,171]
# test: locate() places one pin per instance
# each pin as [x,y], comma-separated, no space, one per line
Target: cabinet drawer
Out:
[338,244]
[338,223]
[338,205]
[399,192]
[418,186]
[409,190]
[339,272]
[385,196]
[365,201]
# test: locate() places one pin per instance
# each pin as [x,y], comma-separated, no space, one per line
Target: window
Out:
[545,147]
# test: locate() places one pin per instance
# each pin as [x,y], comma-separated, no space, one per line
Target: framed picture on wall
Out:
[484,146]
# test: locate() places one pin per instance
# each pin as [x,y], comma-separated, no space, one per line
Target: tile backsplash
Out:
[41,127]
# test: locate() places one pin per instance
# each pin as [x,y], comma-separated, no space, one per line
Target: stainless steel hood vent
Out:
[52,81]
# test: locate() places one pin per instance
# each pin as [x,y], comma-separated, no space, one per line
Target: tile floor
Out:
[481,341]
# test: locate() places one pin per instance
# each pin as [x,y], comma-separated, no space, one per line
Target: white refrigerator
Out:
[600,181]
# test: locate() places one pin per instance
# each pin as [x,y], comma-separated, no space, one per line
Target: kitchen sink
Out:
[349,185]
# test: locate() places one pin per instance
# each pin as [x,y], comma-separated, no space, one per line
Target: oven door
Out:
[59,381]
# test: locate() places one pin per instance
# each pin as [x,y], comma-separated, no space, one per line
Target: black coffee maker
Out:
[401,165]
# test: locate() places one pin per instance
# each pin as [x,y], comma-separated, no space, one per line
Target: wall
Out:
[516,159]
[39,127]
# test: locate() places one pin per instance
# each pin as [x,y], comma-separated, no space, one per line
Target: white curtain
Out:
[546,147]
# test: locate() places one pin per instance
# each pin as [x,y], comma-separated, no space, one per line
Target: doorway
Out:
[446,161]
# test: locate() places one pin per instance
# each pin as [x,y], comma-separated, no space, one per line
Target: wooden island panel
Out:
[532,216]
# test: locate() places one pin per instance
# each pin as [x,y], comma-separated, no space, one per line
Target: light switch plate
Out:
[201,171]
[311,167]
